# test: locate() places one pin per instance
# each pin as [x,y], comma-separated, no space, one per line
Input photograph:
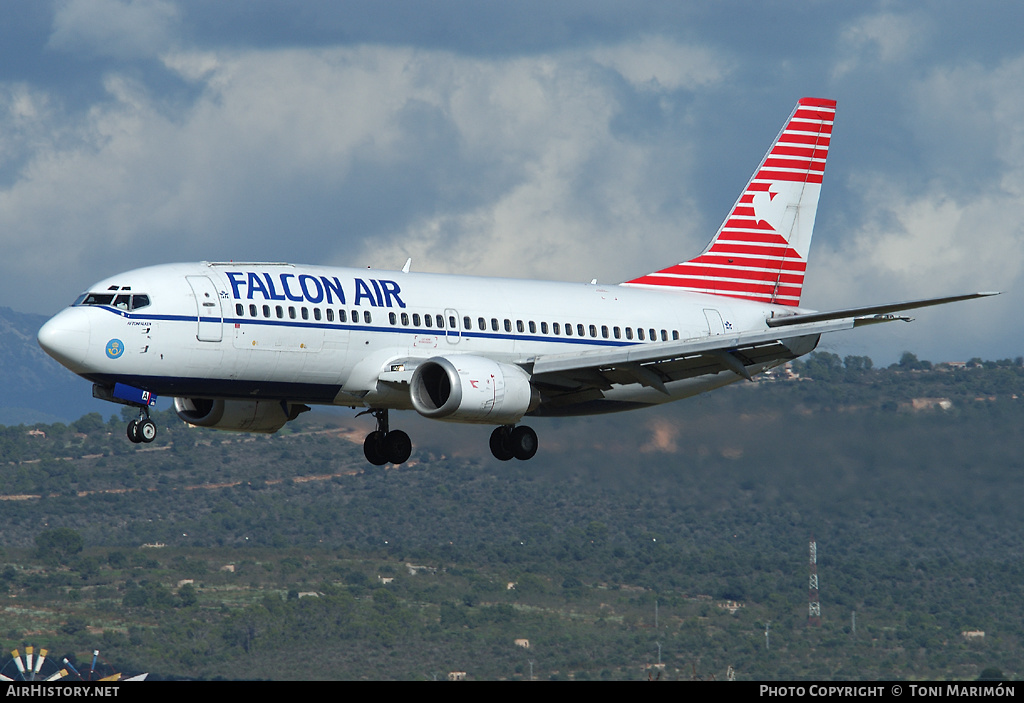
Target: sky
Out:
[567,140]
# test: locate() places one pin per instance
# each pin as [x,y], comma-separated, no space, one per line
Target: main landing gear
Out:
[509,441]
[384,444]
[142,430]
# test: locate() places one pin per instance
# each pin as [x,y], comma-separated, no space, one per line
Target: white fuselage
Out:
[312,334]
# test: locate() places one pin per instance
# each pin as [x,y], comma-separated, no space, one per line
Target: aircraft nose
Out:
[65,337]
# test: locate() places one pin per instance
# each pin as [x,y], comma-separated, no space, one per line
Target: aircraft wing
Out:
[579,376]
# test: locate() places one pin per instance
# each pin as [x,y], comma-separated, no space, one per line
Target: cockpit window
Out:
[98,299]
[124,301]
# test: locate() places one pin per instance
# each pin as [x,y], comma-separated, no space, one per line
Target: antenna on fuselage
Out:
[408,264]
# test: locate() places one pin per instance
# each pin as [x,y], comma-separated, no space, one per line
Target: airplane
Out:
[249,346]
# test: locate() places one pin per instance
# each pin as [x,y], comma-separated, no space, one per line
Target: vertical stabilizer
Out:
[760,251]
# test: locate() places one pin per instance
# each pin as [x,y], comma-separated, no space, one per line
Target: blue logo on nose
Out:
[115,348]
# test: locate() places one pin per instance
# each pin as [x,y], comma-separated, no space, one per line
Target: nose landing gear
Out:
[385,445]
[142,430]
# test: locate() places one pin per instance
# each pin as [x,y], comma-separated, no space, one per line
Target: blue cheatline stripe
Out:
[307,324]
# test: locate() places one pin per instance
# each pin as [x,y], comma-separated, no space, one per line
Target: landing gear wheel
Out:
[384,445]
[397,447]
[523,442]
[133,432]
[501,444]
[146,430]
[373,448]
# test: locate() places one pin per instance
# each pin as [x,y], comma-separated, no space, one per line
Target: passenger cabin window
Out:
[366,317]
[543,328]
[428,321]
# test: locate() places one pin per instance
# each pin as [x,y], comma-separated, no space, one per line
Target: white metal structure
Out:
[246,346]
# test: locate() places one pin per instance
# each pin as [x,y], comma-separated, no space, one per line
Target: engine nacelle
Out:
[466,388]
[266,416]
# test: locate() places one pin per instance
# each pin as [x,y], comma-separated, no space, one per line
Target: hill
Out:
[705,508]
[35,387]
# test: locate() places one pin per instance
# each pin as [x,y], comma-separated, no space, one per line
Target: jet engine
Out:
[238,415]
[466,388]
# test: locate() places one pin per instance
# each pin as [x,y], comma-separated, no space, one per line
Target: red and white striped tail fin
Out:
[760,251]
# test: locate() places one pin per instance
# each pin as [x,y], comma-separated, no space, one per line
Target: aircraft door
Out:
[452,327]
[209,316]
[715,324]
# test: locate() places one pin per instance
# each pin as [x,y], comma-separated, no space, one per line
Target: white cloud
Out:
[509,167]
[955,228]
[121,29]
[577,205]
[924,245]
[659,63]
[880,40]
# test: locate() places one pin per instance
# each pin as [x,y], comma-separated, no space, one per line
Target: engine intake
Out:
[467,388]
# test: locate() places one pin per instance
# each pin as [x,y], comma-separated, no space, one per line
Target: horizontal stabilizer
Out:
[871,310]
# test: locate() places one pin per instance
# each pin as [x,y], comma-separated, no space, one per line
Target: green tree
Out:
[187,595]
[88,424]
[57,546]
